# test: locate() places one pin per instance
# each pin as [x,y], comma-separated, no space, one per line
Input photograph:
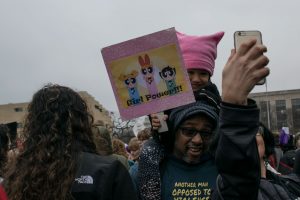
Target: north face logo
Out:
[85,180]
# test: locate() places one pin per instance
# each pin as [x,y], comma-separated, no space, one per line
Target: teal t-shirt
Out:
[183,181]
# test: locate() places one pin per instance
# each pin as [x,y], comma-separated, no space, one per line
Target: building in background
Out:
[97,110]
[279,109]
[15,112]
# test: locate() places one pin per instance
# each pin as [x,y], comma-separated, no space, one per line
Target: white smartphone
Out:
[242,36]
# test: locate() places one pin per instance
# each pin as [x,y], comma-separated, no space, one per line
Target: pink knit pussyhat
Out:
[199,52]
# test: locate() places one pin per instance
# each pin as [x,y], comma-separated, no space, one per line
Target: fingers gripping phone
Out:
[243,36]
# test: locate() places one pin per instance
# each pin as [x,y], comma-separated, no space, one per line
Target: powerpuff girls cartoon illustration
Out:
[131,84]
[168,74]
[147,71]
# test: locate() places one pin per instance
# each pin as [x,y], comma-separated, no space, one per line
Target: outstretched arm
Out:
[237,155]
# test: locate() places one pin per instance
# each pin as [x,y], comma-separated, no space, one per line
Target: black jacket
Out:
[237,155]
[102,178]
[238,161]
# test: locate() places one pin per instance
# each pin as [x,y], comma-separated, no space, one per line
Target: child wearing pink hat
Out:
[199,54]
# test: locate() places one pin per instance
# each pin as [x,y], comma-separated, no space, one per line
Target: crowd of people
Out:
[214,148]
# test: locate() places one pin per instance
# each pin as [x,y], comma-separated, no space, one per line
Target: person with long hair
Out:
[59,160]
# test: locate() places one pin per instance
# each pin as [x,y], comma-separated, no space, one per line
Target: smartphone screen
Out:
[243,36]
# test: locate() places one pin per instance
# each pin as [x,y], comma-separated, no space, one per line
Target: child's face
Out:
[199,78]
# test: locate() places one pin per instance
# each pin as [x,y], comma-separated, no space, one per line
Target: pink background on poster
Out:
[142,44]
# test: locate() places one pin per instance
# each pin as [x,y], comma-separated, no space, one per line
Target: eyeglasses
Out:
[191,132]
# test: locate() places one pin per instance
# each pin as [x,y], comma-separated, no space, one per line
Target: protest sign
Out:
[147,74]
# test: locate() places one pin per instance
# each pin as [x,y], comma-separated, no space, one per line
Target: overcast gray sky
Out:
[59,41]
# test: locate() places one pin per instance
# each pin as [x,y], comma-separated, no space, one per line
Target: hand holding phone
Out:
[244,68]
[243,36]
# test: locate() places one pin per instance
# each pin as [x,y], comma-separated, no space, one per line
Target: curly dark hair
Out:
[4,140]
[57,128]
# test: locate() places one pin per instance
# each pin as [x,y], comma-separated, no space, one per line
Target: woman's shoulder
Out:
[122,159]
[96,166]
[96,159]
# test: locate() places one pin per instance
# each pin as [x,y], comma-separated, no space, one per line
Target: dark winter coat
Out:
[102,178]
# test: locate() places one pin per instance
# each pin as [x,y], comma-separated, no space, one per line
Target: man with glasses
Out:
[202,144]
[189,167]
